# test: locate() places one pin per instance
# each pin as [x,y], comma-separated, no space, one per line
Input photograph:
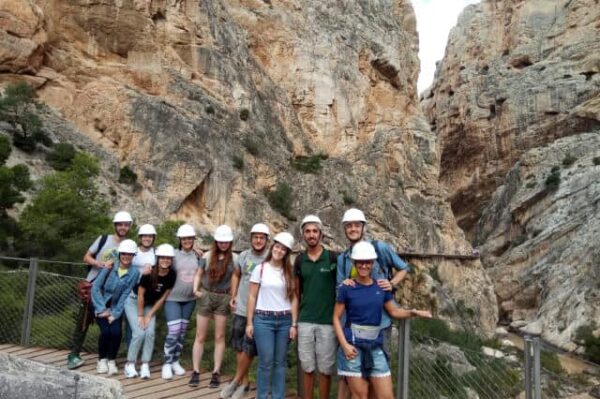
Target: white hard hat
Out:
[165,250]
[354,215]
[122,217]
[260,228]
[146,230]
[223,233]
[311,219]
[285,239]
[127,247]
[363,250]
[186,230]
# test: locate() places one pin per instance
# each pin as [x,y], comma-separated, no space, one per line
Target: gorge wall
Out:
[180,90]
[516,107]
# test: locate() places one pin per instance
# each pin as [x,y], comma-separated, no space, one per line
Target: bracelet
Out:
[295,325]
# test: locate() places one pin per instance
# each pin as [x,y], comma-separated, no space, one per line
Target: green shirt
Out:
[317,287]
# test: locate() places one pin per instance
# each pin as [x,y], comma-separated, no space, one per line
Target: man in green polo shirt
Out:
[315,271]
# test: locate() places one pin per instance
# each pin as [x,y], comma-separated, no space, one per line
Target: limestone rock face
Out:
[541,244]
[513,73]
[210,101]
[22,378]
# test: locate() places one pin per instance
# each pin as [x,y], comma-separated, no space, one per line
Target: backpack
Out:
[103,239]
[300,258]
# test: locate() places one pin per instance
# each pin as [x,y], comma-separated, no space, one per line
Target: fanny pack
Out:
[369,333]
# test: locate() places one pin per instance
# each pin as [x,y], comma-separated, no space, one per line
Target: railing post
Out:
[28,310]
[527,368]
[403,359]
[537,386]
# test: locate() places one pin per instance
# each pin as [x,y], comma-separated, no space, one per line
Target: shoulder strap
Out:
[103,239]
[387,270]
[332,256]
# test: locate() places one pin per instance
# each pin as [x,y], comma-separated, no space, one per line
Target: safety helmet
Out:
[311,219]
[165,250]
[223,233]
[363,250]
[127,247]
[146,230]
[260,228]
[122,217]
[285,239]
[186,230]
[354,215]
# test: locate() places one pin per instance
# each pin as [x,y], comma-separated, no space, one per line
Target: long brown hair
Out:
[287,270]
[216,269]
[154,272]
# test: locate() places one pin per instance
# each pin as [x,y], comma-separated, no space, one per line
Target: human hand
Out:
[232,303]
[293,332]
[104,314]
[142,322]
[349,351]
[147,269]
[198,293]
[349,282]
[111,318]
[250,331]
[385,284]
[426,314]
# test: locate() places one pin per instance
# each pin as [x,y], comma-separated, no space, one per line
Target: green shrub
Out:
[244,114]
[596,161]
[206,239]
[551,362]
[209,109]
[61,156]
[591,344]
[568,160]
[307,164]
[127,176]
[433,272]
[13,181]
[281,199]
[252,145]
[531,184]
[238,162]
[166,232]
[347,199]
[5,149]
[553,180]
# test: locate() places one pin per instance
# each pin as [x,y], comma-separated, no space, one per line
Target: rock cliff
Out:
[210,102]
[516,107]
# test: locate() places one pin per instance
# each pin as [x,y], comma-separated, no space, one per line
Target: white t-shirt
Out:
[142,258]
[272,294]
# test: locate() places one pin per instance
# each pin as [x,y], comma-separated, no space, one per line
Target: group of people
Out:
[337,305]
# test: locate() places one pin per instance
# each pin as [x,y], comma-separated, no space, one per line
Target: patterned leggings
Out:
[178,316]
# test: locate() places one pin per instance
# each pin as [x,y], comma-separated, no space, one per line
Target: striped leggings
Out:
[178,316]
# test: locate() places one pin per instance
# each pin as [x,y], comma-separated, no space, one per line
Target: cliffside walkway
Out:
[153,388]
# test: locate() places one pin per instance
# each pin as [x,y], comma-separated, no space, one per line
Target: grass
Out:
[308,164]
[553,179]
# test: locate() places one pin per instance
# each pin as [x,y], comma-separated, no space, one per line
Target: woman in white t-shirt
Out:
[273,315]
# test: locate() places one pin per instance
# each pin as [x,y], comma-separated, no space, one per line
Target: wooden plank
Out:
[39,353]
[5,346]
[11,349]
[166,390]
[52,356]
[23,352]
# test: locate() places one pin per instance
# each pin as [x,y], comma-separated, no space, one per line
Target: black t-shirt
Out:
[164,283]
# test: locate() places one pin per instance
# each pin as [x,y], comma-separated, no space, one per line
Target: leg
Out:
[137,333]
[173,316]
[220,325]
[198,349]
[187,309]
[326,348]
[149,338]
[382,387]
[306,355]
[343,391]
[282,338]
[85,315]
[264,336]
[103,339]
[359,387]
[115,338]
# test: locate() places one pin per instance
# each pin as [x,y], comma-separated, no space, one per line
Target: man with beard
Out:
[240,282]
[101,254]
[315,271]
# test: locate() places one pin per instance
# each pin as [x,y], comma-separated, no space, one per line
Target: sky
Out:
[435,18]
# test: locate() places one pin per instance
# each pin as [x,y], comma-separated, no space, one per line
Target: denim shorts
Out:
[239,341]
[351,368]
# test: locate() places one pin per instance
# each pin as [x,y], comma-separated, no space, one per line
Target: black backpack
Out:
[300,258]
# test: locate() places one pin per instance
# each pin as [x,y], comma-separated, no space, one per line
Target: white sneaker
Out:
[177,369]
[228,390]
[167,371]
[102,366]
[112,367]
[145,371]
[129,370]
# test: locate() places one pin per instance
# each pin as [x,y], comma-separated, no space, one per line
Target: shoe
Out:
[194,379]
[74,361]
[177,369]
[167,371]
[102,366]
[130,371]
[240,392]
[112,367]
[214,381]
[145,371]
[228,390]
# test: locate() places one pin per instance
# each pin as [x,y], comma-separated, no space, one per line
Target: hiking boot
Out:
[112,368]
[145,371]
[167,371]
[74,361]
[130,371]
[194,379]
[102,366]
[240,392]
[177,369]
[214,381]
[228,390]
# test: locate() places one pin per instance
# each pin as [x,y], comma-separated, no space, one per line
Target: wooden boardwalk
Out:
[153,388]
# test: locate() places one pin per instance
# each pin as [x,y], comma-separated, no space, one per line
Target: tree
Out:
[67,213]
[12,182]
[166,232]
[61,156]
[18,107]
[5,149]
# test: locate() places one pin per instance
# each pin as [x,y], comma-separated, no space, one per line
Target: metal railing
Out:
[39,302]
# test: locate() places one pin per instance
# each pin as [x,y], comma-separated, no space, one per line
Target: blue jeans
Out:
[110,338]
[139,335]
[271,334]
